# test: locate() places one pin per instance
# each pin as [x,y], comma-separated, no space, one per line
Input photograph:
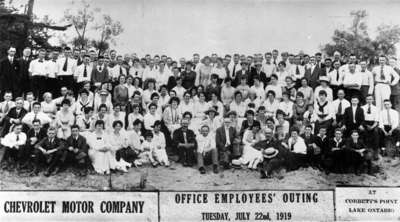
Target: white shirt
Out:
[71,66]
[260,92]
[299,146]
[38,68]
[345,68]
[373,115]
[336,103]
[328,111]
[394,118]
[149,73]
[3,106]
[116,71]
[52,68]
[292,71]
[221,72]
[205,143]
[333,79]
[232,66]
[79,73]
[149,120]
[276,88]
[368,80]
[10,140]
[268,69]
[29,117]
[159,139]
[388,73]
[286,107]
[352,78]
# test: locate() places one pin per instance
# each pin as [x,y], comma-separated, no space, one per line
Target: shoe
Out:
[215,168]
[202,170]
[47,173]
[185,164]
[227,166]
[56,170]
[263,175]
[236,162]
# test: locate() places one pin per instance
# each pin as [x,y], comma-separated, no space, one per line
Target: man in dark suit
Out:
[239,74]
[76,151]
[185,143]
[34,136]
[327,67]
[312,73]
[9,69]
[259,74]
[14,115]
[225,142]
[49,150]
[23,74]
[353,117]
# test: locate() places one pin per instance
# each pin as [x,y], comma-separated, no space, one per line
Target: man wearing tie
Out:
[234,66]
[13,143]
[340,105]
[335,78]
[312,73]
[384,77]
[34,136]
[268,67]
[9,69]
[24,80]
[36,114]
[388,124]
[76,149]
[66,66]
[14,115]
[297,71]
[38,71]
[225,137]
[370,125]
[353,117]
[367,84]
[185,143]
[49,151]
[83,73]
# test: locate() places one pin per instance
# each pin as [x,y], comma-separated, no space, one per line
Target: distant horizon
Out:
[180,28]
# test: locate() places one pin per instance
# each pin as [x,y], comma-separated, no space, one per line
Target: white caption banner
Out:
[78,206]
[367,204]
[246,206]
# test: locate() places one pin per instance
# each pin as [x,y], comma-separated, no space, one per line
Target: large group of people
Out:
[77,108]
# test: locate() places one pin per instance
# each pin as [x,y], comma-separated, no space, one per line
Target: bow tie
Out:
[41,61]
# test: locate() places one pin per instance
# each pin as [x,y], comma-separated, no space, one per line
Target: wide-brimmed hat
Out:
[270,152]
[211,109]
[103,92]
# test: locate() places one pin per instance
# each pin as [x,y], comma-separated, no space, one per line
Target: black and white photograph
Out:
[200,95]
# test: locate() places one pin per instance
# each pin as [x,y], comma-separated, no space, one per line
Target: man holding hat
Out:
[185,143]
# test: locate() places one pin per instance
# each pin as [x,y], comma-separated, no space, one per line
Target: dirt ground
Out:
[178,178]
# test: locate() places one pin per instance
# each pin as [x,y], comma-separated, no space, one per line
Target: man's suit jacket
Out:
[261,76]
[348,118]
[45,144]
[80,143]
[12,114]
[8,73]
[312,76]
[238,77]
[178,137]
[23,69]
[40,135]
[220,137]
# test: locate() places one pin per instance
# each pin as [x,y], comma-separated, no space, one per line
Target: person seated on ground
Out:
[36,114]
[49,105]
[49,152]
[313,151]
[100,149]
[14,143]
[76,151]
[248,122]
[370,124]
[119,141]
[251,156]
[206,149]
[6,105]
[34,136]
[185,143]
[103,115]
[298,150]
[135,140]
[355,144]
[159,153]
[146,150]
[333,161]
[388,124]
[274,154]
[171,115]
[225,142]
[14,115]
[64,120]
[321,148]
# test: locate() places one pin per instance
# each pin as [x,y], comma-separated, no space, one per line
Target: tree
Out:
[80,20]
[108,29]
[357,41]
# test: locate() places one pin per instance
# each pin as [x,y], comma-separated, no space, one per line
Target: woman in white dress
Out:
[204,72]
[171,115]
[49,105]
[64,120]
[100,151]
[119,141]
[134,116]
[117,114]
[187,104]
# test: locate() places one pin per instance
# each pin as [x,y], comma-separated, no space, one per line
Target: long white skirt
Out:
[102,162]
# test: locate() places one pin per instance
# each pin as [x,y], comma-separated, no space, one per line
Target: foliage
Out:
[356,39]
[108,30]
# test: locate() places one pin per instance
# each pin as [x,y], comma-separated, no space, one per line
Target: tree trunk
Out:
[30,9]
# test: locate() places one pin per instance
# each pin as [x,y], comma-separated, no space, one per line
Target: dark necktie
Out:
[30,107]
[120,71]
[234,71]
[41,60]
[35,117]
[382,74]
[297,70]
[85,72]
[17,138]
[337,75]
[292,146]
[75,143]
[6,108]
[369,109]
[340,108]
[65,67]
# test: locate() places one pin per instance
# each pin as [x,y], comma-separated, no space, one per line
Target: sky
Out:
[180,28]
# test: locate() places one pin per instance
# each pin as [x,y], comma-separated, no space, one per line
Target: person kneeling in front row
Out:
[48,150]
[14,143]
[206,150]
[76,151]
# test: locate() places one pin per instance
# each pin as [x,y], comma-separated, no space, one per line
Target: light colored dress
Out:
[100,153]
[64,121]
